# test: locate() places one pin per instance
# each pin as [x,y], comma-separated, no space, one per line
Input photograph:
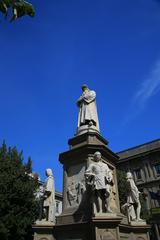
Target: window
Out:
[138,174]
[157,167]
[57,207]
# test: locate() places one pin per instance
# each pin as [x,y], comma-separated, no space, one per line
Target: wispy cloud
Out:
[149,87]
[146,90]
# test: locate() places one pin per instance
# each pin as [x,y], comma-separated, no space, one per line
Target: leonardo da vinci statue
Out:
[88,117]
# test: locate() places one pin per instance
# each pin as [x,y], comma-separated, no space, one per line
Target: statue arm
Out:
[49,187]
[108,173]
[109,176]
[89,97]
[89,175]
[133,190]
[89,170]
[47,194]
[79,101]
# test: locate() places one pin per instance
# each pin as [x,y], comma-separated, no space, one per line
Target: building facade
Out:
[143,162]
[58,203]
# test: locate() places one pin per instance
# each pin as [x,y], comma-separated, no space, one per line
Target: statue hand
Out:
[47,194]
[78,104]
[45,197]
[79,101]
[109,179]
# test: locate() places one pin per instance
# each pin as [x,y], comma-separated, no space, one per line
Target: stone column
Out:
[150,170]
[142,174]
[146,171]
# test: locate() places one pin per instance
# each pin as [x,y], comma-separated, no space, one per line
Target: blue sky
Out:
[113,46]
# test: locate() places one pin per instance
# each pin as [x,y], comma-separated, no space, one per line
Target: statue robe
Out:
[88,109]
[49,187]
[132,191]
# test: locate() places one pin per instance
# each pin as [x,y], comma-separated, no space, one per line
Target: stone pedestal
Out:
[76,200]
[79,219]
[134,232]
[98,228]
[106,228]
[43,231]
[78,211]
[86,129]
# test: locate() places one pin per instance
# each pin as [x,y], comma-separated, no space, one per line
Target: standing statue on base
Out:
[49,196]
[47,200]
[99,177]
[87,109]
[133,205]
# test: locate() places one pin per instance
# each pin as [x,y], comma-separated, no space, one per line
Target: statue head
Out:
[84,87]
[129,175]
[49,172]
[97,156]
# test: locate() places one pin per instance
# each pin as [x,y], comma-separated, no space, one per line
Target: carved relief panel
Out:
[106,234]
[75,185]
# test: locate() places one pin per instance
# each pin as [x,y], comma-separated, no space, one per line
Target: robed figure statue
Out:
[87,109]
[133,197]
[133,206]
[49,196]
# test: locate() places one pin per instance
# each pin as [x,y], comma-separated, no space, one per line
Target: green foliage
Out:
[19,8]
[18,207]
[121,180]
[29,165]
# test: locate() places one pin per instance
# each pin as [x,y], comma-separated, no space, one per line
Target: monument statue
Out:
[87,109]
[99,177]
[49,197]
[133,205]
[90,207]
